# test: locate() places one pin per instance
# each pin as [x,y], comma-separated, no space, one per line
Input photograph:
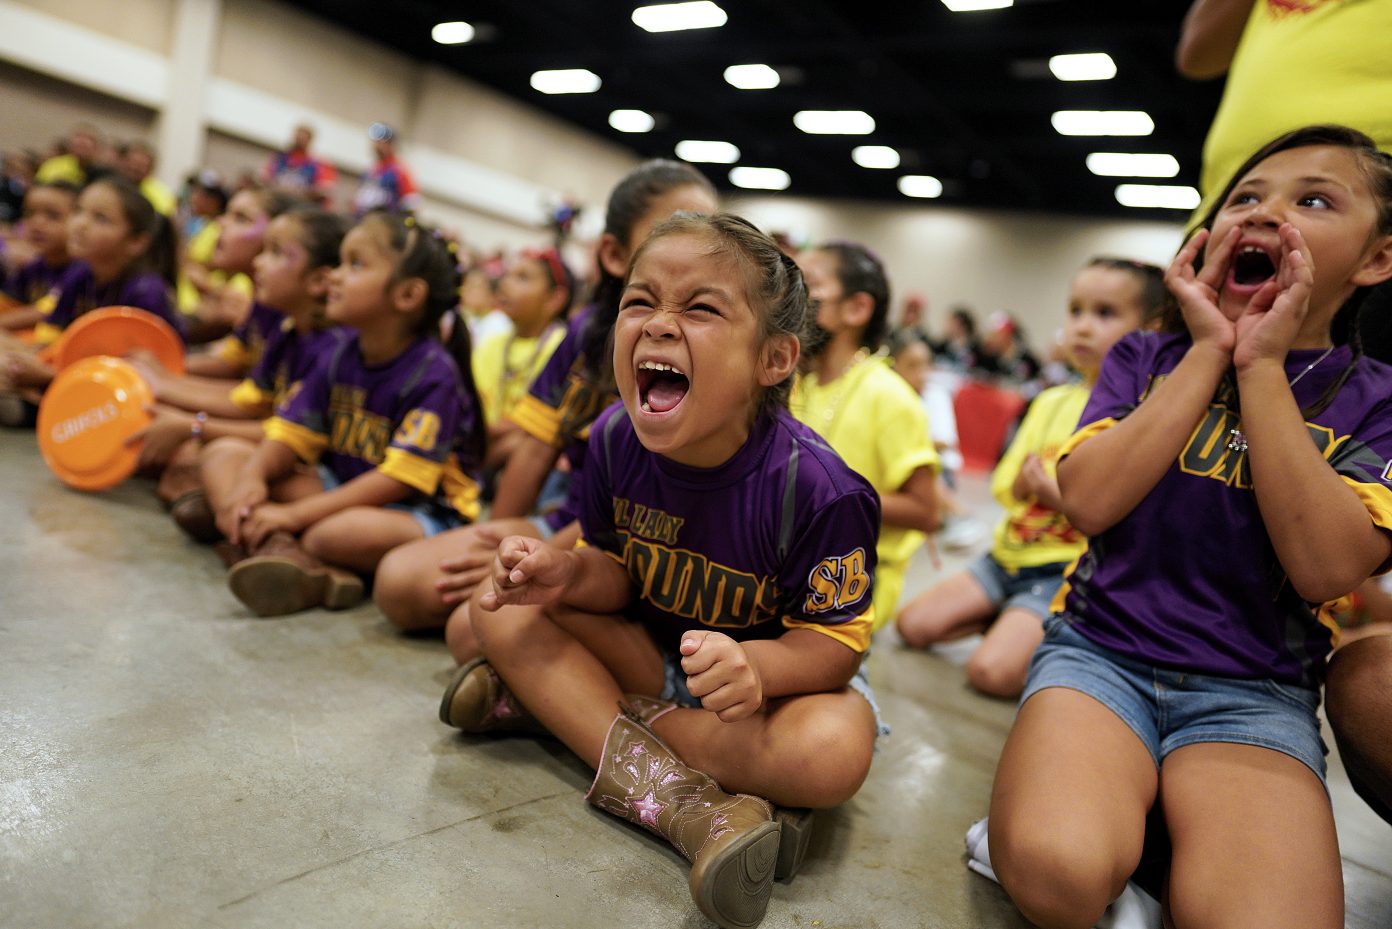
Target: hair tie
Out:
[408,221]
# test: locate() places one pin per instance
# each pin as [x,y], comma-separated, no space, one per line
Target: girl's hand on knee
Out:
[719,672]
[471,567]
[527,571]
[1197,291]
[1273,316]
[266,520]
[162,437]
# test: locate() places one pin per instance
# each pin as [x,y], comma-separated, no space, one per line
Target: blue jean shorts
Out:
[1029,589]
[1170,709]
[433,516]
[674,688]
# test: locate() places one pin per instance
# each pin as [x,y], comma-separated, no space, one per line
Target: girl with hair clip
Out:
[125,254]
[1231,473]
[705,674]
[378,446]
[1006,593]
[428,584]
[292,281]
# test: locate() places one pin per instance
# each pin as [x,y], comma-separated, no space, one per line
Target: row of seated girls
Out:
[688,602]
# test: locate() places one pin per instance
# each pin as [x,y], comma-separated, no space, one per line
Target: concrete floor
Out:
[167,761]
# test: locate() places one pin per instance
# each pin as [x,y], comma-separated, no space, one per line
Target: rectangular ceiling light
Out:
[1159,196]
[674,17]
[971,6]
[565,81]
[760,178]
[1102,122]
[834,122]
[1123,164]
[920,185]
[720,153]
[455,33]
[875,156]
[751,77]
[1092,66]
[631,121]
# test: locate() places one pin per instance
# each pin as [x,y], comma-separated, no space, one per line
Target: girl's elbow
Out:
[1321,585]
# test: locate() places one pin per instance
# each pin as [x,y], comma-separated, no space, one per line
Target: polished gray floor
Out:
[167,761]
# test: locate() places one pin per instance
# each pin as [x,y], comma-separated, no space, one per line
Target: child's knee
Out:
[398,585]
[996,675]
[1053,881]
[460,639]
[915,623]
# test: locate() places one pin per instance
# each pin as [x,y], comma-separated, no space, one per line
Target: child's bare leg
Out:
[1068,808]
[358,537]
[1358,699]
[460,639]
[570,669]
[220,465]
[999,665]
[406,586]
[1253,838]
[811,750]
[952,608]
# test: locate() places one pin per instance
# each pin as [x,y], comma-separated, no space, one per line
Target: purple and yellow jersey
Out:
[1189,580]
[77,292]
[411,419]
[562,403]
[781,536]
[35,281]
[287,359]
[244,345]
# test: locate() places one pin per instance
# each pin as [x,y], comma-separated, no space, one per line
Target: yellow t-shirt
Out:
[160,197]
[872,418]
[1301,62]
[505,365]
[1030,534]
[61,168]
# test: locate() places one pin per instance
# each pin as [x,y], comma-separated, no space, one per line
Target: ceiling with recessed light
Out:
[964,104]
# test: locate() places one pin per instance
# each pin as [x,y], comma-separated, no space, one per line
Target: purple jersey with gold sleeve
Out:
[780,536]
[35,280]
[562,403]
[248,339]
[287,358]
[1189,579]
[77,292]
[410,418]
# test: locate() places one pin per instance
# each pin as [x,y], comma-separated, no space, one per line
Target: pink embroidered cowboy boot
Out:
[477,700]
[731,840]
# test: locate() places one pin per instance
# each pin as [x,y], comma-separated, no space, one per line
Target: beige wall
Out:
[35,110]
[146,23]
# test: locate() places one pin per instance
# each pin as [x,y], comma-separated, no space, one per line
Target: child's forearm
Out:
[522,480]
[913,506]
[24,317]
[802,661]
[372,489]
[1321,531]
[1107,475]
[598,583]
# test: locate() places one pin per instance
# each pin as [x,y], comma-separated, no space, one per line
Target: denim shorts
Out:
[433,516]
[674,688]
[1170,709]
[1029,589]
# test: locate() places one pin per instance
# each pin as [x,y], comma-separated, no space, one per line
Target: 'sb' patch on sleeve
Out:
[837,582]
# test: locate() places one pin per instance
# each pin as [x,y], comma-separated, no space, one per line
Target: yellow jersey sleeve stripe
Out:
[538,420]
[233,351]
[305,443]
[854,634]
[412,470]
[1377,500]
[1085,433]
[249,398]
[46,334]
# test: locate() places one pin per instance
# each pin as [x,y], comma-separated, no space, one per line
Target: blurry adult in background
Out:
[388,184]
[16,174]
[914,316]
[1006,355]
[959,348]
[136,160]
[82,159]
[299,173]
[206,201]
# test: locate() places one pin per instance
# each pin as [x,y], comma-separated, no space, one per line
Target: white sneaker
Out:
[961,534]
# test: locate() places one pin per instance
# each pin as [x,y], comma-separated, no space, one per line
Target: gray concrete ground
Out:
[168,761]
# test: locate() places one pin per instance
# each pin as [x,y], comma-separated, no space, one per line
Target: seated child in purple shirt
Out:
[379,445]
[1232,476]
[47,209]
[724,582]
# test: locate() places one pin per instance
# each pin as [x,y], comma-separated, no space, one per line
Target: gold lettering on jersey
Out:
[687,584]
[353,430]
[837,582]
[1207,454]
[648,522]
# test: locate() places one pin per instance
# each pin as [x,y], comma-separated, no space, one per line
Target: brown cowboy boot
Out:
[731,840]
[192,514]
[477,700]
[281,577]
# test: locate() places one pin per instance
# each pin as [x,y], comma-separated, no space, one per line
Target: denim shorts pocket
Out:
[1302,697]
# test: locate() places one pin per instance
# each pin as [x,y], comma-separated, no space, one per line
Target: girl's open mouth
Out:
[661,387]
[1251,267]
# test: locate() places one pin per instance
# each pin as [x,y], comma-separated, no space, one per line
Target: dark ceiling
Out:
[966,97]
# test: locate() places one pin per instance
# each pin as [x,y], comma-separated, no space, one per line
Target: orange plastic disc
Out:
[119,330]
[87,414]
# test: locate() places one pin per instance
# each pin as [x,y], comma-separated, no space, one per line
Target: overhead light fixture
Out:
[875,156]
[1102,122]
[1159,196]
[455,33]
[674,17]
[565,81]
[1091,66]
[632,121]
[1123,164]
[920,185]
[834,122]
[971,6]
[720,153]
[760,178]
[751,77]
